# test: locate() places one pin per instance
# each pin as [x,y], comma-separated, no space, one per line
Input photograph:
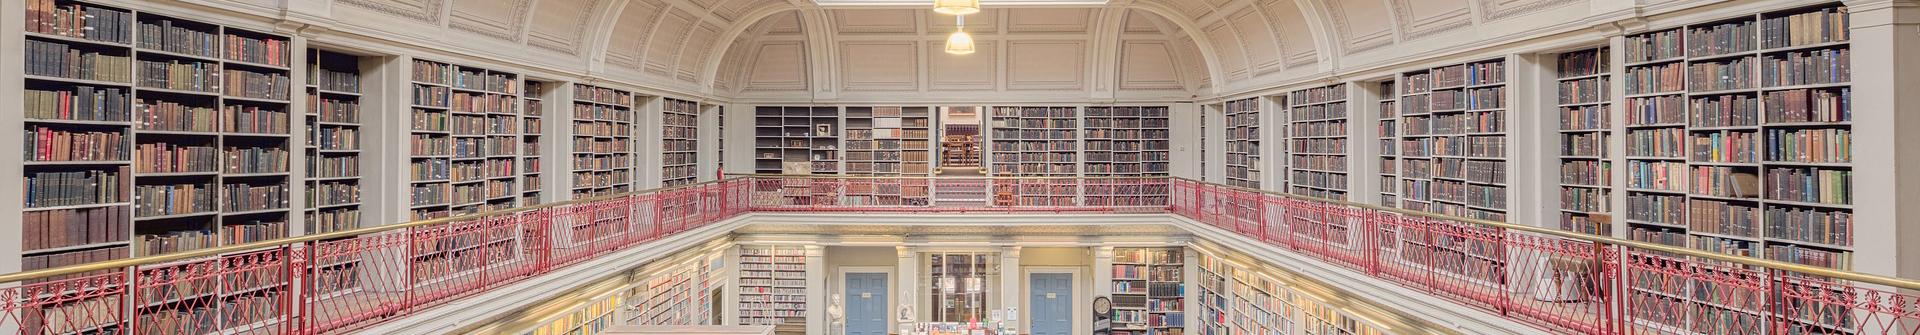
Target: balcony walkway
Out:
[1552,281]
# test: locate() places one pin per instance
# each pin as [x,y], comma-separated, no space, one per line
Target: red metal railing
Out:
[340,282]
[1558,282]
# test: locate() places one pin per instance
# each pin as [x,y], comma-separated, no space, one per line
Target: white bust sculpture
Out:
[834,311]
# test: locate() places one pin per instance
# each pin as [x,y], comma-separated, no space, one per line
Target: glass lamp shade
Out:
[956,7]
[960,43]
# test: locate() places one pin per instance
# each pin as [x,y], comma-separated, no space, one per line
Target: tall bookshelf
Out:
[1452,151]
[796,140]
[1214,307]
[1261,306]
[333,142]
[80,127]
[1388,132]
[1125,142]
[1585,85]
[602,141]
[465,140]
[680,142]
[1149,291]
[773,288]
[887,141]
[666,298]
[1454,147]
[1318,142]
[1753,119]
[1762,103]
[533,141]
[1035,141]
[1243,143]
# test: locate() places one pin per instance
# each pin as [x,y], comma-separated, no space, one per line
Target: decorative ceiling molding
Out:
[426,11]
[1501,9]
[1414,26]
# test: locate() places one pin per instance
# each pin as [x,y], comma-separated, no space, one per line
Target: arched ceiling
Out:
[744,46]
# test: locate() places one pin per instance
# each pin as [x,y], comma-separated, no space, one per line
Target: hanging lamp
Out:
[960,43]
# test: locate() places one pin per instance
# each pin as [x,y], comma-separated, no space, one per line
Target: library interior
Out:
[960,167]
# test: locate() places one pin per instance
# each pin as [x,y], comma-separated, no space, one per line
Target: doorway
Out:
[866,296]
[960,141]
[1050,303]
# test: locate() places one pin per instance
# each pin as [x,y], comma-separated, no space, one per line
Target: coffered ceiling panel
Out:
[1290,31]
[1046,65]
[1149,65]
[949,72]
[1263,55]
[694,57]
[1363,25]
[880,66]
[778,66]
[1049,20]
[875,21]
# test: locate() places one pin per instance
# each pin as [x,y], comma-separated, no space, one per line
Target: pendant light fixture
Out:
[956,7]
[960,43]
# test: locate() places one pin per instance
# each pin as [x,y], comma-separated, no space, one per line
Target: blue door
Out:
[1050,306]
[866,304]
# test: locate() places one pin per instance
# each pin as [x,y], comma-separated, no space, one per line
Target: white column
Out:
[909,283]
[816,291]
[1011,280]
[1886,48]
[1102,272]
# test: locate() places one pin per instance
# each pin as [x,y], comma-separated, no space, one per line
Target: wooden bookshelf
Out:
[1216,310]
[772,285]
[533,141]
[1453,161]
[1035,142]
[1261,305]
[82,128]
[1243,143]
[1131,141]
[1149,290]
[1743,121]
[1388,132]
[333,145]
[680,142]
[1454,157]
[1584,85]
[796,140]
[465,140]
[602,141]
[1318,142]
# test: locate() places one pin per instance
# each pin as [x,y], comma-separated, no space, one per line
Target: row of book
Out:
[1721,39]
[80,21]
[188,38]
[268,51]
[253,231]
[1657,110]
[179,75]
[171,116]
[49,59]
[247,160]
[333,166]
[335,138]
[50,189]
[247,197]
[45,144]
[73,227]
[164,157]
[77,103]
[334,110]
[333,193]
[254,120]
[1825,66]
[1724,218]
[1656,142]
[249,84]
